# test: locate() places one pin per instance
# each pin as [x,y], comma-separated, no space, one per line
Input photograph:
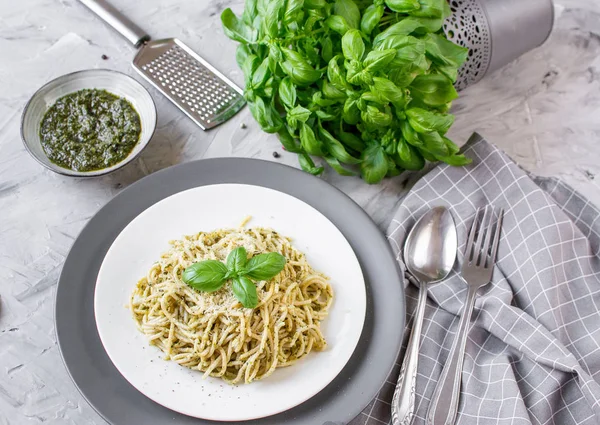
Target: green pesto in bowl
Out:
[89,130]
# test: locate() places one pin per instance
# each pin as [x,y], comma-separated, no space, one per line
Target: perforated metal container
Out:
[496,32]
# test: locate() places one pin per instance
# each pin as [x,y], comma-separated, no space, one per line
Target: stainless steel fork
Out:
[478,264]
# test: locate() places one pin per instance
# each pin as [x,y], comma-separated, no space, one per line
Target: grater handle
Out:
[118,21]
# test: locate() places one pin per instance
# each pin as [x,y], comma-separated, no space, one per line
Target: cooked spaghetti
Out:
[213,332]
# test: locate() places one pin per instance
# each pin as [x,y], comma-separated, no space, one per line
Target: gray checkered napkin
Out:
[533,353]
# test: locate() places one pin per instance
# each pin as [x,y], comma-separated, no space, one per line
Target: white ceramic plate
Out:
[208,208]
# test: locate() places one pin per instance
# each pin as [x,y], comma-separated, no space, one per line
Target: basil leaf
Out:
[310,50]
[433,90]
[257,24]
[245,291]
[335,164]
[455,160]
[427,155]
[433,142]
[319,100]
[309,141]
[338,24]
[298,68]
[249,95]
[376,117]
[308,165]
[248,69]
[265,266]
[332,92]
[261,74]
[315,4]
[261,6]
[452,148]
[362,77]
[448,71]
[354,69]
[327,49]
[207,276]
[353,46]
[334,74]
[336,149]
[389,91]
[445,52]
[236,260]
[431,9]
[408,157]
[349,11]
[287,92]
[371,17]
[275,53]
[250,12]
[236,29]
[374,166]
[410,135]
[351,113]
[298,114]
[288,142]
[393,169]
[293,13]
[241,54]
[429,25]
[389,142]
[403,6]
[267,88]
[266,116]
[402,28]
[302,75]
[401,41]
[272,17]
[369,96]
[352,141]
[377,59]
[402,77]
[411,57]
[424,121]
[325,116]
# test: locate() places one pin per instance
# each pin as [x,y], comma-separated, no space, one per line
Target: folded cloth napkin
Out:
[533,353]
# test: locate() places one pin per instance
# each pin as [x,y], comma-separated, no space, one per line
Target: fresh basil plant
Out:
[355,82]
[211,275]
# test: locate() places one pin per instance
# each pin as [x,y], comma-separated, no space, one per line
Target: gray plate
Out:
[121,404]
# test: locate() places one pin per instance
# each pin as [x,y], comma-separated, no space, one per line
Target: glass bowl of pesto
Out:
[88,123]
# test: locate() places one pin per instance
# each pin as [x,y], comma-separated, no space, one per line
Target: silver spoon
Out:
[429,254]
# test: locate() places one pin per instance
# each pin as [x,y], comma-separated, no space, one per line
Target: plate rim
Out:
[339,366]
[189,168]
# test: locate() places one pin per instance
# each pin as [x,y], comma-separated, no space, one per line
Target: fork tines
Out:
[481,251]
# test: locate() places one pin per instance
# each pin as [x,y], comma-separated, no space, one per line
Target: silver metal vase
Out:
[496,32]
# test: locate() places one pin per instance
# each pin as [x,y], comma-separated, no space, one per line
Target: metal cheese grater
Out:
[199,90]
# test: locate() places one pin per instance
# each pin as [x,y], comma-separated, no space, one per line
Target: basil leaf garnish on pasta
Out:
[265,266]
[236,260]
[206,275]
[245,291]
[210,275]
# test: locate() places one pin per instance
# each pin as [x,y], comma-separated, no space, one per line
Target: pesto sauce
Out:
[89,130]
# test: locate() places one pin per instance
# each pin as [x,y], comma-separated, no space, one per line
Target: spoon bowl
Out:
[430,249]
